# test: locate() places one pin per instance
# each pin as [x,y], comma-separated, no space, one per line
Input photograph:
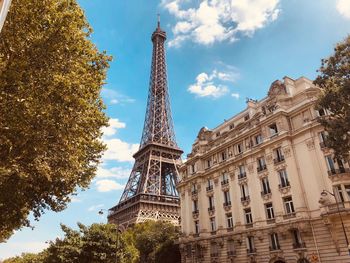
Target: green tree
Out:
[51,111]
[93,244]
[155,242]
[334,81]
[26,258]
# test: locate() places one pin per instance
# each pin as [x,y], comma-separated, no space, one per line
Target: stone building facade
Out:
[251,188]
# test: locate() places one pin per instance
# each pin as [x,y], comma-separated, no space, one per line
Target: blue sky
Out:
[218,54]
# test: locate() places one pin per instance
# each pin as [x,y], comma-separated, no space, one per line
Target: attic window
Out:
[246,117]
[217,134]
[232,126]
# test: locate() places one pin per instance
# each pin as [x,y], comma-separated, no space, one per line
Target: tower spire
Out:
[158,18]
[150,192]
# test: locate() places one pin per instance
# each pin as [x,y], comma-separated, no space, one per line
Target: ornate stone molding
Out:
[287,152]
[310,144]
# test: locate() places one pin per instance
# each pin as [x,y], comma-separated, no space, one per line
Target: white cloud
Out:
[16,248]
[343,7]
[210,86]
[114,172]
[114,97]
[119,150]
[106,185]
[95,207]
[75,199]
[235,95]
[219,20]
[114,124]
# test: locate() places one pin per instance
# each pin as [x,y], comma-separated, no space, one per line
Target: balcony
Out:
[231,253]
[278,160]
[275,247]
[261,168]
[209,188]
[194,192]
[299,245]
[224,182]
[263,193]
[214,255]
[196,235]
[242,175]
[251,251]
[245,198]
[227,205]
[270,221]
[284,185]
[211,210]
[341,170]
[195,213]
[323,145]
[289,216]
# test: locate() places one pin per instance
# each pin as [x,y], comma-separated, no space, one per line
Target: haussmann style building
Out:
[252,189]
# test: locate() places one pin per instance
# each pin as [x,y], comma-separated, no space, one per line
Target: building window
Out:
[250,245]
[212,224]
[210,184]
[284,182]
[214,250]
[258,139]
[347,190]
[229,220]
[269,211]
[242,173]
[261,164]
[208,163]
[195,206]
[217,134]
[265,186]
[193,168]
[224,178]
[340,165]
[248,216]
[240,148]
[223,156]
[244,192]
[230,247]
[196,226]
[279,157]
[330,164]
[232,126]
[274,242]
[273,129]
[227,199]
[323,137]
[194,188]
[288,205]
[246,117]
[211,202]
[297,242]
[339,193]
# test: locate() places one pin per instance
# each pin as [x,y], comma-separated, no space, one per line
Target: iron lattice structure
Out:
[150,193]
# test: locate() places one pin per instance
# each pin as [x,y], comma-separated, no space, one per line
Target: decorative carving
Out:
[310,144]
[250,167]
[285,190]
[269,158]
[287,152]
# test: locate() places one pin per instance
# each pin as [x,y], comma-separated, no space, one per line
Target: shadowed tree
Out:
[51,112]
[334,80]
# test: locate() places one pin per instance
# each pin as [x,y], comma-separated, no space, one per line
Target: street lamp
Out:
[117,241]
[325,193]
[4,8]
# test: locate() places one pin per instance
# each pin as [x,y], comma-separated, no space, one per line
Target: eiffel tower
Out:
[150,193]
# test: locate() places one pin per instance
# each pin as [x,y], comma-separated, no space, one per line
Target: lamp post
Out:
[325,193]
[4,8]
[117,232]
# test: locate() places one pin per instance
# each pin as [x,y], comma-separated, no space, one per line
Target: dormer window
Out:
[273,129]
[232,126]
[246,117]
[240,148]
[321,112]
[223,156]
[217,134]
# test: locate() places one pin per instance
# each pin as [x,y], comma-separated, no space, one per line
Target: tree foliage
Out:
[155,242]
[334,80]
[149,242]
[51,113]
